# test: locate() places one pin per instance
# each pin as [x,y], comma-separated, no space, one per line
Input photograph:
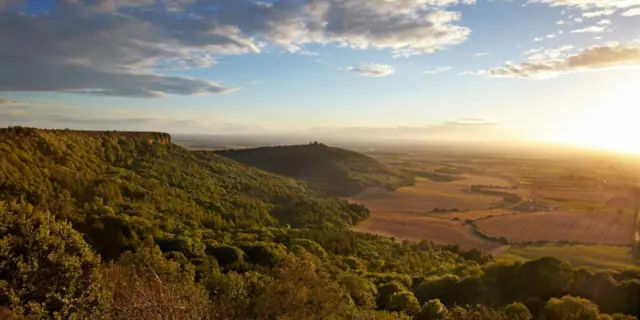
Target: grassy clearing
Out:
[608,257]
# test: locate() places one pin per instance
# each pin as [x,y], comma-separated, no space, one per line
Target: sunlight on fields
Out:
[611,124]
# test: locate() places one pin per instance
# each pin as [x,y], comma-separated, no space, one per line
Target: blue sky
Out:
[432,69]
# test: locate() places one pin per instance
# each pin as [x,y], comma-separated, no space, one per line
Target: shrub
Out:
[403,302]
[518,311]
[362,291]
[46,268]
[569,308]
[433,310]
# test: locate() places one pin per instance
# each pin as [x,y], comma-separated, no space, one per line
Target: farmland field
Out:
[598,196]
[584,227]
[591,198]
[428,195]
[415,227]
[610,257]
[473,215]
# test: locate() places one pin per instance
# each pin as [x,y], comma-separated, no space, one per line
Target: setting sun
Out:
[610,124]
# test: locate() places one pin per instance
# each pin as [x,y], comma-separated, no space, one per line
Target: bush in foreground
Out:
[46,269]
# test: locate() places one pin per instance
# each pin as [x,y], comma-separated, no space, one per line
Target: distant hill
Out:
[333,170]
[118,187]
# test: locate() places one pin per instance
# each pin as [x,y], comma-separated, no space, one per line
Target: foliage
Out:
[362,291]
[517,311]
[301,289]
[46,268]
[568,308]
[333,170]
[404,302]
[432,310]
[118,188]
[140,294]
[191,235]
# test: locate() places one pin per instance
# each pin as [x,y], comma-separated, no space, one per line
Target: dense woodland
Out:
[327,169]
[110,225]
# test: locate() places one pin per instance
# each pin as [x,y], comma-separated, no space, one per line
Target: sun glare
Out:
[611,125]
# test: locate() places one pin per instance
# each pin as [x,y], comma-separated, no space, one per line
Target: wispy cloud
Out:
[437,70]
[591,59]
[590,4]
[374,70]
[592,29]
[631,12]
[482,54]
[599,13]
[308,53]
[549,36]
[548,54]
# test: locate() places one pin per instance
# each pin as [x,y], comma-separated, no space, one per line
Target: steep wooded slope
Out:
[120,186]
[335,171]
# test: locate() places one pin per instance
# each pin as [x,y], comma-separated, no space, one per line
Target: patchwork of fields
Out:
[556,226]
[415,227]
[428,195]
[576,217]
[597,256]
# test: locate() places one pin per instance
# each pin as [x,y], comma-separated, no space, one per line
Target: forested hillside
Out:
[111,225]
[333,170]
[127,186]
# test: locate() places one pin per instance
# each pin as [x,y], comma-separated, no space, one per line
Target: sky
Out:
[550,70]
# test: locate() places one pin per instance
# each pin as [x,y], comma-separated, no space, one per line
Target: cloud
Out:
[592,29]
[51,116]
[631,12]
[482,54]
[103,47]
[374,70]
[589,4]
[551,35]
[547,54]
[406,27]
[308,53]
[604,22]
[74,50]
[590,59]
[532,51]
[599,13]
[437,70]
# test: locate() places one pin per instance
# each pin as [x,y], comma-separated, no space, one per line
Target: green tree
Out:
[570,308]
[545,277]
[46,268]
[518,311]
[403,302]
[362,291]
[432,310]
[301,289]
[385,291]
